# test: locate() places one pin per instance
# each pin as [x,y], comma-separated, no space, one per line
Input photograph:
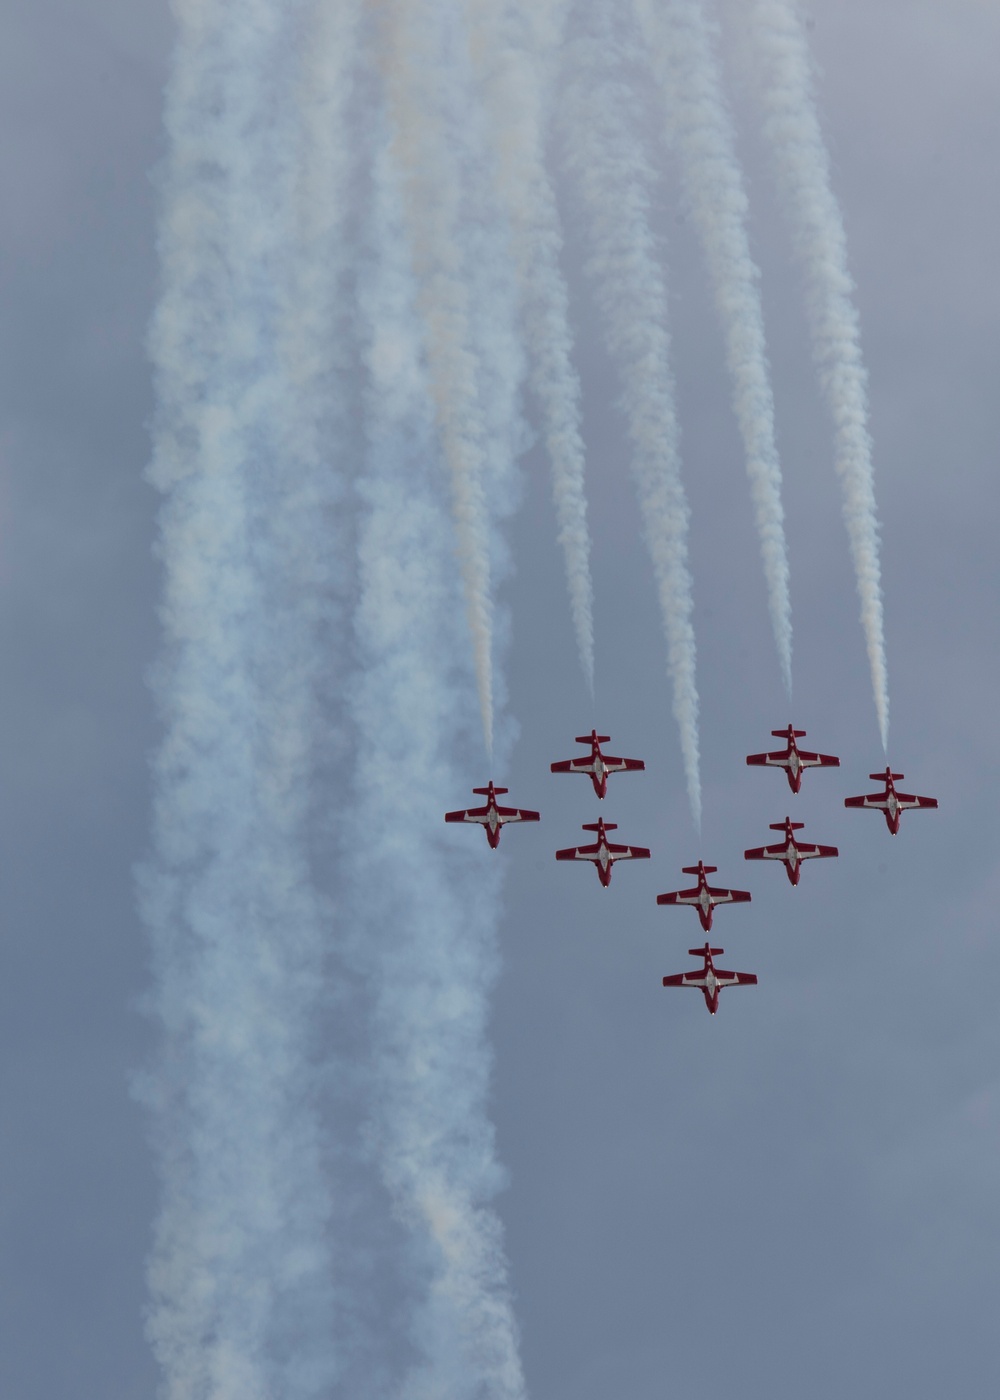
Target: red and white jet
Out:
[491,816]
[603,852]
[890,803]
[793,759]
[598,765]
[792,852]
[710,979]
[704,897]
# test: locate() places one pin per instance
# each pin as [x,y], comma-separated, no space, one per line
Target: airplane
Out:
[598,765]
[792,852]
[603,852]
[793,759]
[704,897]
[890,803]
[492,817]
[710,979]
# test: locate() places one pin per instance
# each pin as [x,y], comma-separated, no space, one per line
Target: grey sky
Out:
[797,1197]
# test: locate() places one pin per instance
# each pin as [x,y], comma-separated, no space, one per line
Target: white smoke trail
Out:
[512,54]
[679,42]
[424,902]
[417,78]
[600,132]
[241,1287]
[792,127]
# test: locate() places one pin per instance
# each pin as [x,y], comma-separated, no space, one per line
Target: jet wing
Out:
[735,979]
[907,801]
[482,815]
[468,814]
[624,765]
[628,852]
[680,897]
[807,850]
[516,814]
[818,760]
[593,852]
[717,896]
[782,758]
[728,896]
[589,765]
[803,849]
[871,799]
[687,979]
[573,765]
[700,980]
[768,760]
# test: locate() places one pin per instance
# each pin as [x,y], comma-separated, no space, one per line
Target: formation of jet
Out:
[890,802]
[793,759]
[790,851]
[710,979]
[603,852]
[598,765]
[703,897]
[490,816]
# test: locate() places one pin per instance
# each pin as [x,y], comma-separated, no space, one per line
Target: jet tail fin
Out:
[783,733]
[700,952]
[780,826]
[696,869]
[485,792]
[596,826]
[595,737]
[881,777]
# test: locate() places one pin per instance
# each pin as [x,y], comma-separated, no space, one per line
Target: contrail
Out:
[241,1284]
[600,132]
[417,84]
[512,50]
[679,43]
[792,127]
[424,904]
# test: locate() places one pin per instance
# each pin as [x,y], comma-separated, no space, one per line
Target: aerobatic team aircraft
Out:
[598,765]
[890,803]
[704,897]
[792,852]
[491,816]
[793,759]
[710,979]
[603,852]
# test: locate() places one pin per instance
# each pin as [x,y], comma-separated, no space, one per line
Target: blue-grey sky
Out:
[797,1195]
